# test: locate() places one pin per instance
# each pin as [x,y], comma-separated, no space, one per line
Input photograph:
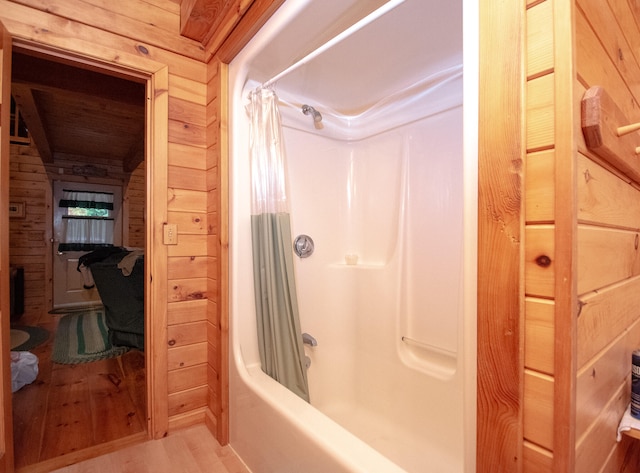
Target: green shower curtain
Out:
[279,334]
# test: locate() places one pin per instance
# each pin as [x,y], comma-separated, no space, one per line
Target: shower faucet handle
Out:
[303,246]
[309,340]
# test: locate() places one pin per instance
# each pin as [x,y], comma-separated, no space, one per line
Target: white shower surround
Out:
[395,184]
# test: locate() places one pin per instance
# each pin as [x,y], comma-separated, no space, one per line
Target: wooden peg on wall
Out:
[608,132]
[625,130]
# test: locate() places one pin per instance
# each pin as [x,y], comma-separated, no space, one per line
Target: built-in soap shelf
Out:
[359,265]
[609,133]
[629,426]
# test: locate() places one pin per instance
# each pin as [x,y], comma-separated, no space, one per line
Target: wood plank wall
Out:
[500,155]
[218,357]
[140,31]
[582,220]
[29,237]
[608,328]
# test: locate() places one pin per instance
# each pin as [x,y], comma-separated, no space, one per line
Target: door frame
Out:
[156,77]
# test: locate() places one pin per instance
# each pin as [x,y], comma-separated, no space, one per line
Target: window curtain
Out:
[279,334]
[87,225]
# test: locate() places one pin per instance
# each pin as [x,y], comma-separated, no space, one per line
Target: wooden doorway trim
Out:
[6,424]
[156,77]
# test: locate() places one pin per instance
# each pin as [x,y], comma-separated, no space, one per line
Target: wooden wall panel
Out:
[187,378]
[540,112]
[596,67]
[187,355]
[182,267]
[604,198]
[604,315]
[600,379]
[536,459]
[48,29]
[539,261]
[183,155]
[539,39]
[186,312]
[539,335]
[500,213]
[607,256]
[538,409]
[539,183]
[608,265]
[157,23]
[187,401]
[217,320]
[595,446]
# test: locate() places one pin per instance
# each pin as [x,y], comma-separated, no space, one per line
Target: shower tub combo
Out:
[378,127]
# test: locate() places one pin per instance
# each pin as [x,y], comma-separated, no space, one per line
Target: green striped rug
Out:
[82,337]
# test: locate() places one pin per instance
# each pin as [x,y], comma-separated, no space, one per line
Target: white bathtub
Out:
[393,182]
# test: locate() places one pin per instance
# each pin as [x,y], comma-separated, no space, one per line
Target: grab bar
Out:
[427,346]
[309,340]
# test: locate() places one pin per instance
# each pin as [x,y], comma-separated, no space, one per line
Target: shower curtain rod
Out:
[374,15]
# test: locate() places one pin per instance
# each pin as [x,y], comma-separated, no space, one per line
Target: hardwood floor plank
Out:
[113,413]
[73,412]
[190,450]
[149,457]
[66,428]
[30,402]
[179,455]
[132,365]
[205,454]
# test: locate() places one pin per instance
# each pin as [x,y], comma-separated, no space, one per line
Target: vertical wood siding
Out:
[574,425]
[608,327]
[500,153]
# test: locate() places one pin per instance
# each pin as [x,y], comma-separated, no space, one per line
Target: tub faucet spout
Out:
[309,340]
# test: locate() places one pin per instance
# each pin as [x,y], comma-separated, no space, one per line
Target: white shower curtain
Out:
[279,334]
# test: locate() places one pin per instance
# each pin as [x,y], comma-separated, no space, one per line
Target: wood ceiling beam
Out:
[199,18]
[136,154]
[237,30]
[47,74]
[23,95]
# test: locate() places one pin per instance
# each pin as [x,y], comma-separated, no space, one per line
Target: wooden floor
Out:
[191,450]
[72,410]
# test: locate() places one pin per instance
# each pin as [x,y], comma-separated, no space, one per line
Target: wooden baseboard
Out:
[211,422]
[84,454]
[181,421]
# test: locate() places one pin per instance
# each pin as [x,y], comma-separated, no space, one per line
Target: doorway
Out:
[73,408]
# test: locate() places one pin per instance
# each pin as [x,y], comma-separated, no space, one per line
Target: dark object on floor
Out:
[26,338]
[122,295]
[16,292]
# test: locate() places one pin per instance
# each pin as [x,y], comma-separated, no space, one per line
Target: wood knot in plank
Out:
[142,49]
[172,342]
[544,261]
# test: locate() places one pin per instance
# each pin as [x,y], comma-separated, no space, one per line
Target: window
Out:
[87,221]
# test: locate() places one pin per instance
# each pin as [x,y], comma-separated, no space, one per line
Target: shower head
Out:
[309,110]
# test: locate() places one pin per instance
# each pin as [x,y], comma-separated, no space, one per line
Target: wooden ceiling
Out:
[200,19]
[81,114]
[78,113]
